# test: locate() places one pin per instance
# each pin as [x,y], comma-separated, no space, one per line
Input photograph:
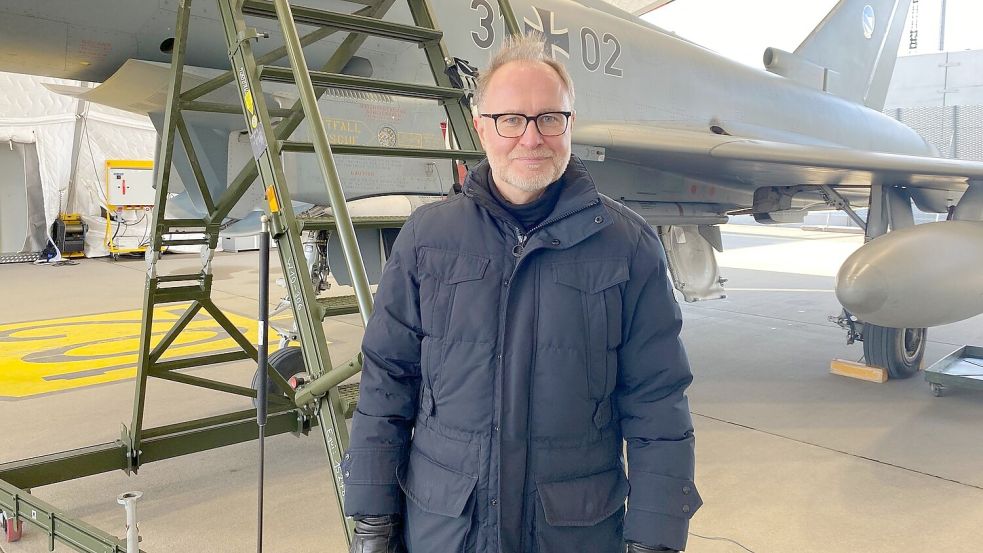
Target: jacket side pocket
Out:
[582,515]
[439,506]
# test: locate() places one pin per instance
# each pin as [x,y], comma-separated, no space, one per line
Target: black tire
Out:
[899,350]
[288,361]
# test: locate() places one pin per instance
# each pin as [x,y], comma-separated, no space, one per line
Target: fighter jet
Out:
[676,132]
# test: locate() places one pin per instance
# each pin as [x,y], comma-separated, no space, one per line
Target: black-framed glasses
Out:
[513,125]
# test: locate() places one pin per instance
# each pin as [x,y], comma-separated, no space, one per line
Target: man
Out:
[522,330]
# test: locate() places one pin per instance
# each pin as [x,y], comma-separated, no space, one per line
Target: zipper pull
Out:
[517,250]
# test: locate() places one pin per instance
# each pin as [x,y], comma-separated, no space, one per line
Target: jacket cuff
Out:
[659,509]
[371,487]
[654,529]
[372,500]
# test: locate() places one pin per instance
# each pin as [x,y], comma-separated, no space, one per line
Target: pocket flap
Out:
[435,488]
[584,501]
[591,276]
[452,267]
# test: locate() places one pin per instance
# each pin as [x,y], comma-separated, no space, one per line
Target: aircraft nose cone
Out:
[861,287]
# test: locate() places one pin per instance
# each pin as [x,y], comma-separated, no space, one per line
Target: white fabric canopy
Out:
[29,112]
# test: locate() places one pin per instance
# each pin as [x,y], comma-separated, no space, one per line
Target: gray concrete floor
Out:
[790,457]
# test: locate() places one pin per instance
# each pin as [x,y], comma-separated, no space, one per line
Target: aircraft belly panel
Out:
[29,45]
[643,183]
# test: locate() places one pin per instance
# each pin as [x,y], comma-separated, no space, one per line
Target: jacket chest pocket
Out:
[593,285]
[446,276]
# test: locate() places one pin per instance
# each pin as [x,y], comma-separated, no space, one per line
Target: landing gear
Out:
[899,350]
[288,361]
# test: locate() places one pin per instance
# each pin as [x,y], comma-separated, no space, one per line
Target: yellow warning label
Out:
[47,356]
[271,199]
[249,101]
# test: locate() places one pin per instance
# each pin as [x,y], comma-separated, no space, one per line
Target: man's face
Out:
[529,163]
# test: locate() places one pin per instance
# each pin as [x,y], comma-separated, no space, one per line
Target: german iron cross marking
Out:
[557,40]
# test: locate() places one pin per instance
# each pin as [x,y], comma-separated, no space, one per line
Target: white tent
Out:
[56,149]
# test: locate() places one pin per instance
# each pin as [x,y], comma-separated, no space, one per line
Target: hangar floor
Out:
[790,457]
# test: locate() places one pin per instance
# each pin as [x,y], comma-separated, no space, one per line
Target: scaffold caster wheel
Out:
[13,530]
[937,389]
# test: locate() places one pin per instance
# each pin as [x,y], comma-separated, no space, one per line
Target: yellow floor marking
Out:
[41,357]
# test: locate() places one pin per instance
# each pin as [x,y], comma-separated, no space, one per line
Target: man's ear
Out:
[477,121]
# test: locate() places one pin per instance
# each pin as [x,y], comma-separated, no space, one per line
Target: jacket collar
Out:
[577,210]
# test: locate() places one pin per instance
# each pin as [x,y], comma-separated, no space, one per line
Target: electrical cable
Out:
[717,538]
[145,241]
[92,159]
[121,222]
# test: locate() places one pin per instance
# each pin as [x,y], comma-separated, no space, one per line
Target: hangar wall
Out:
[940,95]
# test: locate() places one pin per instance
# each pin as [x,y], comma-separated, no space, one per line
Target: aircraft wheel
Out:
[288,361]
[899,350]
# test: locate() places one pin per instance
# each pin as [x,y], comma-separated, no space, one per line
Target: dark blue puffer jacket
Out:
[503,370]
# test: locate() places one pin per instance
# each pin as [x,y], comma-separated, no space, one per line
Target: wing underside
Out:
[769,163]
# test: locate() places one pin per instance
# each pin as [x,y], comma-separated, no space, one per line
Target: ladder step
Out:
[183,223]
[212,107]
[337,305]
[197,277]
[349,398]
[351,150]
[184,242]
[344,21]
[177,294]
[278,74]
[328,223]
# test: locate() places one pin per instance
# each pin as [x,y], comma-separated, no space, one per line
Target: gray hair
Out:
[530,48]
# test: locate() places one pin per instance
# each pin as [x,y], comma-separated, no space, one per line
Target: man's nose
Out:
[531,138]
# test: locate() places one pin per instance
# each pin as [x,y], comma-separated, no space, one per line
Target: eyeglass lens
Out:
[549,124]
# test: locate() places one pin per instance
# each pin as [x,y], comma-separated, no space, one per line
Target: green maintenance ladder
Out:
[322,396]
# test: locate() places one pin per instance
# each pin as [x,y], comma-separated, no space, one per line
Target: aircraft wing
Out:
[770,163]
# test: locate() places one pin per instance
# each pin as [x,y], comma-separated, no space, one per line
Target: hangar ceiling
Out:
[638,7]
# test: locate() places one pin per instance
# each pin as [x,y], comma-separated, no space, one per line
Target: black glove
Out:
[633,547]
[378,534]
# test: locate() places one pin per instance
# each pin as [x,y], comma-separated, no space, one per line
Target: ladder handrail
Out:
[339,207]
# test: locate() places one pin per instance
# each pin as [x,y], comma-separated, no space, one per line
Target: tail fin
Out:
[858,41]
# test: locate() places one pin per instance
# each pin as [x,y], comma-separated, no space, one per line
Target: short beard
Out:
[534,183]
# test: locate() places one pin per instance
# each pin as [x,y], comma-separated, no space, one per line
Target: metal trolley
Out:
[962,368]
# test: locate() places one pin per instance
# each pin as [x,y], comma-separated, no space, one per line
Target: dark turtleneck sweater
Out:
[527,216]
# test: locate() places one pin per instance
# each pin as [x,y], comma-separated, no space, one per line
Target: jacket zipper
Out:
[548,222]
[524,237]
[517,251]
